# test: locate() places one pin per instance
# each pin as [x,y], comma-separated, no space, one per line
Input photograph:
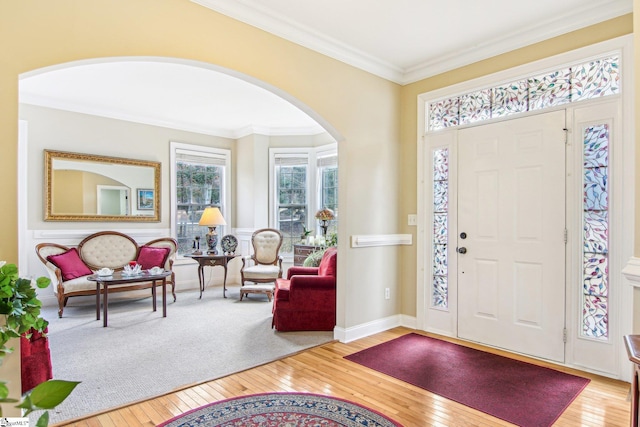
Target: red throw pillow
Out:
[150,257]
[70,264]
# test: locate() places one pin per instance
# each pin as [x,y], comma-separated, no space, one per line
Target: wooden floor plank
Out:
[323,370]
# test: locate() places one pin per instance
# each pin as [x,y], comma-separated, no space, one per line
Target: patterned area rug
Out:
[282,409]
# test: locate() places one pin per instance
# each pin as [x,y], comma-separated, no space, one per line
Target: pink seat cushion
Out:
[150,257]
[328,263]
[70,264]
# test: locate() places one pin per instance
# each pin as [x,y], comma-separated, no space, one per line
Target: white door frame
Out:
[622,246]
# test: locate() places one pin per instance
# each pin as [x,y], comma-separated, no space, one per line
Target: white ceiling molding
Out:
[262,18]
[561,24]
[257,15]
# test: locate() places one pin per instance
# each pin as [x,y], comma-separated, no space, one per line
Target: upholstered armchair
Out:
[260,270]
[306,299]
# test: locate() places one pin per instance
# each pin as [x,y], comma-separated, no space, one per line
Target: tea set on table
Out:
[131,269]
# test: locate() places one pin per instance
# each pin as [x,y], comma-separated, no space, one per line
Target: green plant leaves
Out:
[20,306]
[43,421]
[47,395]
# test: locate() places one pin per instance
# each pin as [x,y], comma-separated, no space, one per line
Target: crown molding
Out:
[261,17]
[561,24]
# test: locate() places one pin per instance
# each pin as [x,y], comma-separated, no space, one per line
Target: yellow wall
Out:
[577,39]
[362,109]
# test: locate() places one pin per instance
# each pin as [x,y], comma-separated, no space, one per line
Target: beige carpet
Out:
[141,354]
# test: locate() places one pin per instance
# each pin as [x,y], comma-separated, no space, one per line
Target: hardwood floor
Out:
[323,370]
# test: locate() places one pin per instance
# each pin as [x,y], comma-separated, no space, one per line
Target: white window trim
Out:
[325,151]
[313,201]
[219,152]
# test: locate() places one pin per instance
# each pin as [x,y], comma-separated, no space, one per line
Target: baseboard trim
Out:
[370,328]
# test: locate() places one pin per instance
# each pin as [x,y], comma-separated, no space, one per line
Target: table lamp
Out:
[212,217]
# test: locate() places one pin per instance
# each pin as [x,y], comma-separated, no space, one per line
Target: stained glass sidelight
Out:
[440,291]
[595,273]
[593,79]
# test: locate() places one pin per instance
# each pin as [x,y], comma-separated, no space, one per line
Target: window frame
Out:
[313,182]
[226,187]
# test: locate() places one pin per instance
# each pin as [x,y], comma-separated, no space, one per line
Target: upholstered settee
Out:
[306,299]
[69,267]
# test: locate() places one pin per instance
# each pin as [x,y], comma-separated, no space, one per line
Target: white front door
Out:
[511,235]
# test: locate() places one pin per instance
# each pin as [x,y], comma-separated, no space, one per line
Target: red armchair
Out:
[306,299]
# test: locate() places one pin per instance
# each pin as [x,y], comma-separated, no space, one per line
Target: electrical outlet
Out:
[413,219]
[387,293]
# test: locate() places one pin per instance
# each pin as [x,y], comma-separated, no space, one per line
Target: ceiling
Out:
[400,40]
[409,40]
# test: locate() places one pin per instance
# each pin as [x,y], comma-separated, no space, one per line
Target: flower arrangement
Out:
[325,215]
[20,307]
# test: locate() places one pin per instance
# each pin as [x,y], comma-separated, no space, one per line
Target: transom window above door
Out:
[579,82]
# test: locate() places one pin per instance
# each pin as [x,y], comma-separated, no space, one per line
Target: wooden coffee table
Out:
[117,278]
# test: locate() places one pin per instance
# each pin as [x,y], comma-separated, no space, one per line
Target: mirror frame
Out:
[49,215]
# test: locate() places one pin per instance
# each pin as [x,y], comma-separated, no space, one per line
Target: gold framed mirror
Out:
[87,187]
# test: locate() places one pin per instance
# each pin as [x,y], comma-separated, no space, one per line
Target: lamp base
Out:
[324,226]
[212,241]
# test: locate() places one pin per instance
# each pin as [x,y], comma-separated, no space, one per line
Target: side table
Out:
[212,260]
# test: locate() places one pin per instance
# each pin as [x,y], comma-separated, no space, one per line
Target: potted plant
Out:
[20,311]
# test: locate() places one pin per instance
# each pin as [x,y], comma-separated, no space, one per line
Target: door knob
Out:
[462,250]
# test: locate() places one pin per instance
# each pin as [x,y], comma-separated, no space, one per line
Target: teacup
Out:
[156,270]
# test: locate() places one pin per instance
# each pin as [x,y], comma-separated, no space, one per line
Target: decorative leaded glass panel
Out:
[595,189]
[583,81]
[596,146]
[550,90]
[440,165]
[510,99]
[443,114]
[595,317]
[440,228]
[595,287]
[475,106]
[440,291]
[596,79]
[439,260]
[440,196]
[596,272]
[596,232]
